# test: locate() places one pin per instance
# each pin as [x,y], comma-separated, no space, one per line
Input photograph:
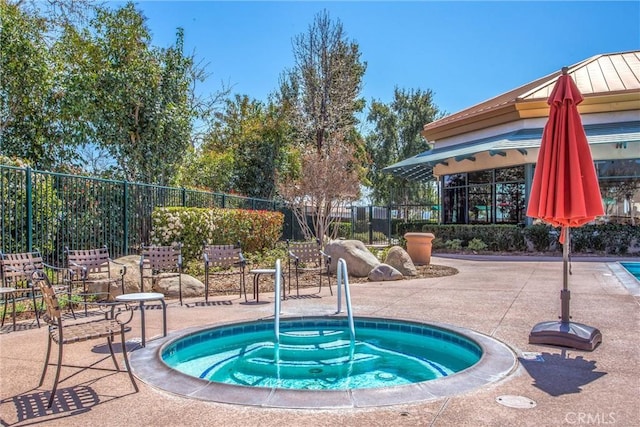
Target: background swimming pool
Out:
[633,268]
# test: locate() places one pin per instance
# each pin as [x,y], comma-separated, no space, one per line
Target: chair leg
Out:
[36,312]
[85,292]
[126,359]
[55,381]
[70,302]
[46,362]
[206,286]
[297,284]
[113,356]
[4,313]
[329,280]
[243,287]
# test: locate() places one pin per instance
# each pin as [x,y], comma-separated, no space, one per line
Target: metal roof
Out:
[420,167]
[605,74]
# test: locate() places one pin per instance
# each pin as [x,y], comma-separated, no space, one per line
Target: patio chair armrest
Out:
[326,257]
[73,266]
[14,269]
[53,267]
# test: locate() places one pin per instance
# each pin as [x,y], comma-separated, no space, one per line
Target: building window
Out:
[484,197]
[620,188]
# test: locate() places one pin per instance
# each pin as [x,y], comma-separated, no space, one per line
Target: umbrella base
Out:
[566,334]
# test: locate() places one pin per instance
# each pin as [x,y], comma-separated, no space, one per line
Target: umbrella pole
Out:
[564,332]
[565,294]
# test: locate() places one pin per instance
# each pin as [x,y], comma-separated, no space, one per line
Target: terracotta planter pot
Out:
[419,247]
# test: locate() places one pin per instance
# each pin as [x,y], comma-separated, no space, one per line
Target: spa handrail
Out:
[343,280]
[278,285]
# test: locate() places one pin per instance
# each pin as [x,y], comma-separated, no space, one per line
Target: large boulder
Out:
[191,287]
[132,275]
[360,261]
[399,259]
[384,273]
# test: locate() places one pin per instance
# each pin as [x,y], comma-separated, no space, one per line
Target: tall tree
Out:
[395,136]
[27,87]
[127,97]
[321,94]
[252,135]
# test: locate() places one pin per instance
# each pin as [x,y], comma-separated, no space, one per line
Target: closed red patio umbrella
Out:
[565,193]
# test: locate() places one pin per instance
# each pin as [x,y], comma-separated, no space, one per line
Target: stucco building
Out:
[483,157]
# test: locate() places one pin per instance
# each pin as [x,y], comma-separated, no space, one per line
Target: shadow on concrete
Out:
[68,401]
[556,374]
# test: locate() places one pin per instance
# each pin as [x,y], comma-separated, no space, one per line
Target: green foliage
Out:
[28,93]
[100,85]
[476,244]
[601,238]
[381,254]
[363,236]
[455,244]
[539,236]
[605,238]
[46,207]
[267,257]
[396,136]
[501,238]
[252,136]
[136,96]
[207,170]
[255,230]
[343,230]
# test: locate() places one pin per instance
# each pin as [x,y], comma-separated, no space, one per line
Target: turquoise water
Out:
[319,354]
[633,268]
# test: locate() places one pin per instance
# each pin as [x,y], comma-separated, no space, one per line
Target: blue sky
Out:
[465,52]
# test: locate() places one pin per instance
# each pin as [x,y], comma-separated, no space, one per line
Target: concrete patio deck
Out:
[504,299]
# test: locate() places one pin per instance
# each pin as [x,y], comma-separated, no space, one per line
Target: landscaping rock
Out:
[191,287]
[360,261]
[384,273]
[131,276]
[399,259]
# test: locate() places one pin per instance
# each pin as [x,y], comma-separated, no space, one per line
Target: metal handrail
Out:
[276,315]
[343,280]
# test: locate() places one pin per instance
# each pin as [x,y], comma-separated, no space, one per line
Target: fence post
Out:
[389,227]
[370,224]
[183,193]
[28,185]
[353,221]
[125,218]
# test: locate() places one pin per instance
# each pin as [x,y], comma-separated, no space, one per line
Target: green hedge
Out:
[344,229]
[598,239]
[256,230]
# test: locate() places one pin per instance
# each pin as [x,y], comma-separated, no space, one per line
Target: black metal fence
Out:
[49,211]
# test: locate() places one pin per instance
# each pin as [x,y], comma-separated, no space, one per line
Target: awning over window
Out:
[420,167]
